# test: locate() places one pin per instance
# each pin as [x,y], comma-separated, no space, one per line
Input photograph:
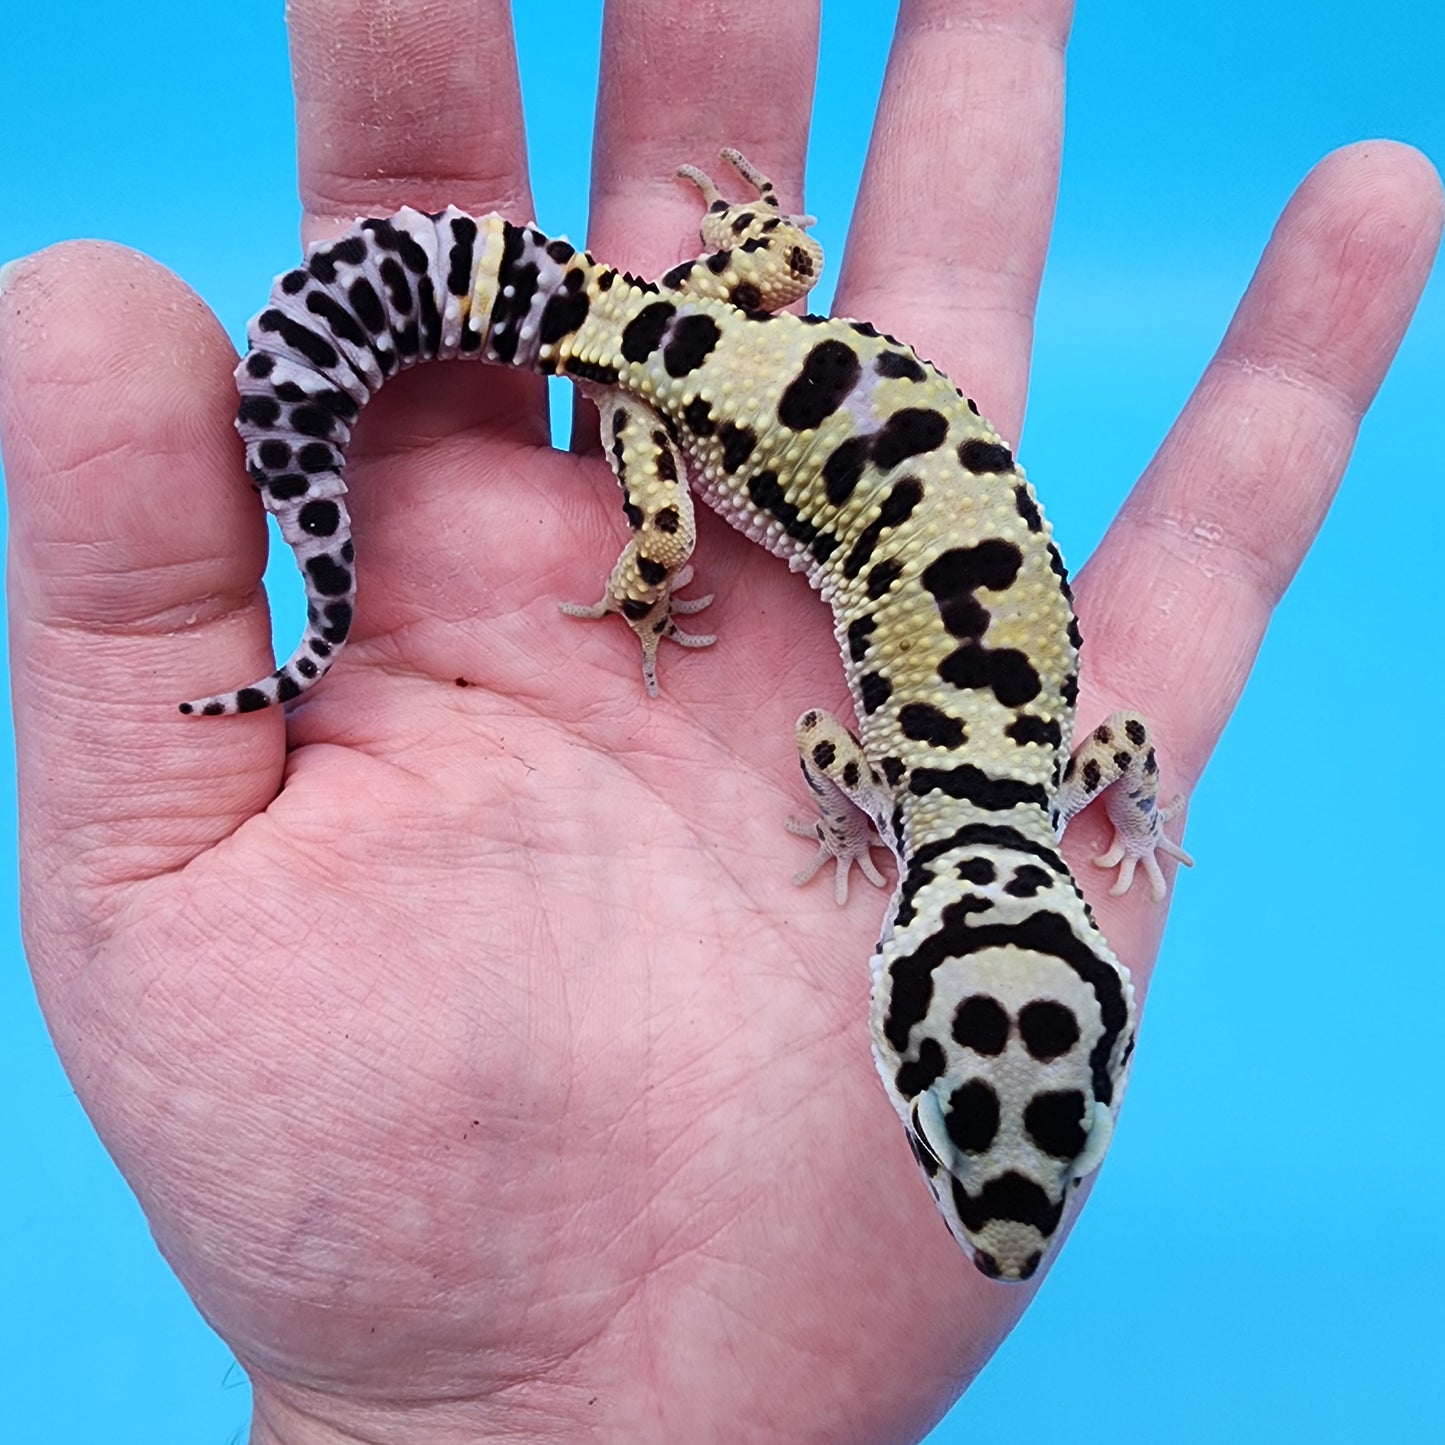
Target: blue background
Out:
[1262,1259]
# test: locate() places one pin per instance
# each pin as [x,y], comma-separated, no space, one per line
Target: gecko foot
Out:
[650,623]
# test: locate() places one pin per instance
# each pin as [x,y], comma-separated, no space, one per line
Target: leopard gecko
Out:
[1002,1022]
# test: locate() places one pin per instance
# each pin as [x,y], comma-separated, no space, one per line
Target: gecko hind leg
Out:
[654,565]
[757,257]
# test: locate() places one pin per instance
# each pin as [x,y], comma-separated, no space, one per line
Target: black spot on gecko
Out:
[883,576]
[850,775]
[1134,731]
[893,770]
[509,311]
[1027,728]
[981,457]
[746,295]
[737,444]
[328,576]
[1049,1029]
[312,421]
[591,371]
[844,468]
[563,314]
[366,305]
[911,990]
[971,784]
[1027,882]
[398,288]
[978,871]
[875,690]
[1055,1122]
[1028,509]
[408,339]
[693,340]
[339,319]
[824,755]
[830,371]
[981,1023]
[973,1116]
[1005,671]
[954,576]
[925,723]
[561,251]
[896,509]
[859,631]
[288,487]
[643,334]
[301,339]
[899,365]
[459,257]
[320,518]
[1010,1196]
[651,571]
[766,493]
[1092,776]
[1056,566]
[698,416]
[914,1076]
[668,520]
[908,433]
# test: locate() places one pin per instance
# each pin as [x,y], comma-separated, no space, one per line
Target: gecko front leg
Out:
[848,793]
[1117,760]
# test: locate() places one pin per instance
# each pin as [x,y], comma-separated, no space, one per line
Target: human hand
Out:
[540,903]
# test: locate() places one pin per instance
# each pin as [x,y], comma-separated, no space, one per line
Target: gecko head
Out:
[1001,1194]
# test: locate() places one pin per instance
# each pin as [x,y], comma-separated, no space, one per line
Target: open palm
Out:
[480,1072]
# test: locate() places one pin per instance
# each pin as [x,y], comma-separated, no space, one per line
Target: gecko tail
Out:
[361,308]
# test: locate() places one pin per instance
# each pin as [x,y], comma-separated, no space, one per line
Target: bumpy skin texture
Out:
[1003,1024]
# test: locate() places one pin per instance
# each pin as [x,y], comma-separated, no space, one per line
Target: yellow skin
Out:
[682,1211]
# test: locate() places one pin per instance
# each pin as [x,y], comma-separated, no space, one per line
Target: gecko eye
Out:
[925,1108]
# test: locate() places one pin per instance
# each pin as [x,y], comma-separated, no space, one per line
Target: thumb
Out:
[136,550]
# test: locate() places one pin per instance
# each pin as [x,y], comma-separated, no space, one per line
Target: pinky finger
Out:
[1219,523]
